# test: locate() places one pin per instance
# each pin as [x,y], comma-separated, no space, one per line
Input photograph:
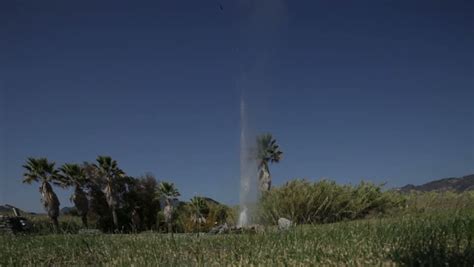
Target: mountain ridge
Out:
[457,184]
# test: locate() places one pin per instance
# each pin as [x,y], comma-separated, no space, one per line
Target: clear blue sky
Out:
[376,90]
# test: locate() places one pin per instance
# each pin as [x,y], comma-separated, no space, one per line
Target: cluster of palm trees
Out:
[104,187]
[90,182]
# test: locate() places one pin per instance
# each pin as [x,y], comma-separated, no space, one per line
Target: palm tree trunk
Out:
[136,221]
[50,202]
[168,213]
[82,204]
[84,221]
[112,203]
[114,217]
[264,178]
[55,223]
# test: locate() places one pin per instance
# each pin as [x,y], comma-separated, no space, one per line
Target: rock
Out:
[254,228]
[89,232]
[284,224]
[249,229]
[224,229]
[220,229]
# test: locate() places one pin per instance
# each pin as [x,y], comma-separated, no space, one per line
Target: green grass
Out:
[426,239]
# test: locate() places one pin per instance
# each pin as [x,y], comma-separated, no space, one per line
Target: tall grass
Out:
[325,201]
[426,239]
[436,240]
[434,202]
[41,225]
[417,229]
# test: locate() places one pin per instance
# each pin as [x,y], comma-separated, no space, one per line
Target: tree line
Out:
[114,201]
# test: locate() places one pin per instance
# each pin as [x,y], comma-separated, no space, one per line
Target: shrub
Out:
[217,214]
[325,201]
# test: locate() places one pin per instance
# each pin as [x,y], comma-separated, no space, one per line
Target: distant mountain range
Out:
[462,184]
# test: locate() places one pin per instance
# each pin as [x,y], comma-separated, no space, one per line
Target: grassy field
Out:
[429,239]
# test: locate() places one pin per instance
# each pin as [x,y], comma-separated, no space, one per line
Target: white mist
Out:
[248,169]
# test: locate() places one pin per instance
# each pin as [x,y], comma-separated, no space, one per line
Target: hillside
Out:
[462,184]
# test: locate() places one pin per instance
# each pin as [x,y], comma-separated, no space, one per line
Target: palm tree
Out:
[267,152]
[97,201]
[169,193]
[43,171]
[199,210]
[74,175]
[110,173]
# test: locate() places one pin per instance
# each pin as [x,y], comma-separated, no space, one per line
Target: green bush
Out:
[325,201]
[216,215]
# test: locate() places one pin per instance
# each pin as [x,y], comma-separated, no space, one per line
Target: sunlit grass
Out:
[411,239]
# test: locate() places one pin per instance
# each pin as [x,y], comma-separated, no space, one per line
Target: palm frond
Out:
[39,169]
[108,168]
[168,190]
[72,175]
[267,150]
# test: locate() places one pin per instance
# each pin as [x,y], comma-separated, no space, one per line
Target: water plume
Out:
[248,169]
